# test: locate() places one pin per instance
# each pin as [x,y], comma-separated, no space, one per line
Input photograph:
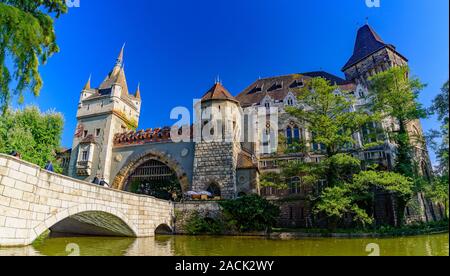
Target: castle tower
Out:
[217,147]
[371,55]
[102,112]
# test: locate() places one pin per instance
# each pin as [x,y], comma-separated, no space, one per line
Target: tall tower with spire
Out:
[102,113]
[371,55]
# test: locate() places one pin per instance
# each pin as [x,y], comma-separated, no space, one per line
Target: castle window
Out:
[292,135]
[84,155]
[97,132]
[296,134]
[85,134]
[289,135]
[294,185]
[290,102]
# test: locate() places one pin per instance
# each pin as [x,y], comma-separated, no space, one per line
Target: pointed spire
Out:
[87,86]
[137,95]
[119,61]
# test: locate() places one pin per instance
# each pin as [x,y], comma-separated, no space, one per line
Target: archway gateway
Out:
[150,166]
[154,178]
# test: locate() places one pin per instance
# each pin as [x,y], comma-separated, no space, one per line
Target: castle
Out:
[106,144]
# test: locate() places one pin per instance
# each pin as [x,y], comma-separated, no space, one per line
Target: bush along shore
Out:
[381,231]
[254,216]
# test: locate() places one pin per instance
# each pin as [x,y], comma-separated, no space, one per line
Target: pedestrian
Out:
[104,183]
[96,180]
[16,154]
[49,166]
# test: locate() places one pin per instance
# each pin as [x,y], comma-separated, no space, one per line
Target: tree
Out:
[440,107]
[250,213]
[393,94]
[401,186]
[330,116]
[35,135]
[439,191]
[27,39]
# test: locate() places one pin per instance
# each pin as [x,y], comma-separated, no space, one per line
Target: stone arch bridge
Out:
[33,200]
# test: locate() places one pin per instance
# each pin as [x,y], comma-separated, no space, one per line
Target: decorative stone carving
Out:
[118,157]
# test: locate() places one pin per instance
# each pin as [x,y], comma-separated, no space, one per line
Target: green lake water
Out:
[427,245]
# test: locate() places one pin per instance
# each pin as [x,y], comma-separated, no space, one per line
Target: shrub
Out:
[197,224]
[250,213]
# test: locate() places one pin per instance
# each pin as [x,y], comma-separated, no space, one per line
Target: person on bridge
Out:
[104,183]
[16,154]
[49,166]
[96,181]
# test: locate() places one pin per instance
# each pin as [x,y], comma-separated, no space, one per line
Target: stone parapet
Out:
[33,200]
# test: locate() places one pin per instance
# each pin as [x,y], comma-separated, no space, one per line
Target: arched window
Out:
[214,189]
[294,185]
[296,134]
[289,135]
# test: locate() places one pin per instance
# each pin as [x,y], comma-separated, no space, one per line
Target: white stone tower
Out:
[102,112]
[217,147]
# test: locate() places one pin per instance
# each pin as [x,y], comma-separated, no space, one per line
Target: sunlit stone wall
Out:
[33,200]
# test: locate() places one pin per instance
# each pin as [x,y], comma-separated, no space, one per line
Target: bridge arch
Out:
[86,210]
[135,162]
[163,229]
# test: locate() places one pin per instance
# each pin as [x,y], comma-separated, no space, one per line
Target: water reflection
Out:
[432,245]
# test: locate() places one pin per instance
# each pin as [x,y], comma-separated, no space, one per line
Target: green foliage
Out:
[390,181]
[440,107]
[394,94]
[356,196]
[329,115]
[342,166]
[27,39]
[35,135]
[197,224]
[338,201]
[438,192]
[274,180]
[250,213]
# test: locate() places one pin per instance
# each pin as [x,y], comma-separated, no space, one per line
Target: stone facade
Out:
[33,200]
[215,164]
[183,211]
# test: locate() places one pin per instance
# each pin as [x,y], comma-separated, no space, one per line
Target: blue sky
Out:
[175,49]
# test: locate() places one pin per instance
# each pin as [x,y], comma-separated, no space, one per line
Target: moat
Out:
[426,245]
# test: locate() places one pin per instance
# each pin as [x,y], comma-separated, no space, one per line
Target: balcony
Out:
[84,168]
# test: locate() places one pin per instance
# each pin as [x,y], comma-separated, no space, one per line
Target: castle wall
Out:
[215,163]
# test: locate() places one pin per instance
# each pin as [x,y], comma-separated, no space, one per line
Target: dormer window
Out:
[297,83]
[267,105]
[276,86]
[256,89]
